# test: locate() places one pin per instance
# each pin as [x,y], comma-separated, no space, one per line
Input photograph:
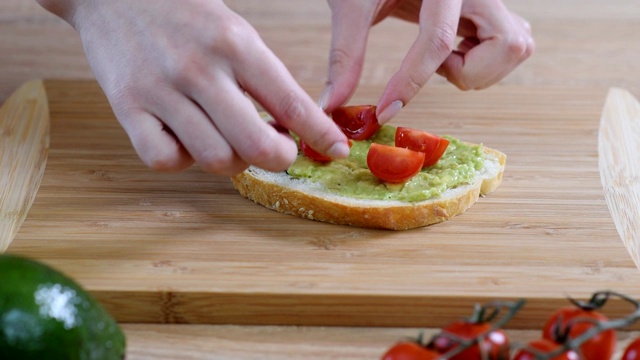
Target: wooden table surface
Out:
[579,43]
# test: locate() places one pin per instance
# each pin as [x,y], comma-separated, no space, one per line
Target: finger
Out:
[504,42]
[198,134]
[253,139]
[435,41]
[350,24]
[155,144]
[268,81]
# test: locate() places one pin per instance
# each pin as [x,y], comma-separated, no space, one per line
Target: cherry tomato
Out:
[409,350]
[312,154]
[357,122]
[544,346]
[393,164]
[417,140]
[600,347]
[632,351]
[495,344]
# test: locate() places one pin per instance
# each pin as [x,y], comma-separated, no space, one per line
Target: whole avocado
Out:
[46,315]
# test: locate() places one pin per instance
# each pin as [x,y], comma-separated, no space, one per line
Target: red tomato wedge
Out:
[314,155]
[357,122]
[394,164]
[417,140]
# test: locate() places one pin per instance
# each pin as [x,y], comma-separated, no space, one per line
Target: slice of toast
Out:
[310,200]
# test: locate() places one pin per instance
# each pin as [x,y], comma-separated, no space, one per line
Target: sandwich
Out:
[395,178]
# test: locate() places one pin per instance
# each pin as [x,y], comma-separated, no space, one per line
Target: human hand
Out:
[176,73]
[494,42]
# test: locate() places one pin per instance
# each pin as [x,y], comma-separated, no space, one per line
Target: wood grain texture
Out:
[579,43]
[24,144]
[186,248]
[619,146]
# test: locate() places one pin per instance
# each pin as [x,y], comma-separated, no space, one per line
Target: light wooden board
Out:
[187,248]
[24,143]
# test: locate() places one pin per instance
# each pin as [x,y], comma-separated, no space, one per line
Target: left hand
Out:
[494,42]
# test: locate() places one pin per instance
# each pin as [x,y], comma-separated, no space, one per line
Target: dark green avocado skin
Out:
[47,315]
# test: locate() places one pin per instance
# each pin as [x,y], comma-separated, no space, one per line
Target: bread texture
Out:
[309,200]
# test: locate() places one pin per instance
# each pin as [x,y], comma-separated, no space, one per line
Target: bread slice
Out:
[309,200]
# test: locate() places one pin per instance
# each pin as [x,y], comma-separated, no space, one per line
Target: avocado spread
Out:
[351,176]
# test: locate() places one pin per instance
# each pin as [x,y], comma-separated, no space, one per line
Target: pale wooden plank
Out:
[24,146]
[619,146]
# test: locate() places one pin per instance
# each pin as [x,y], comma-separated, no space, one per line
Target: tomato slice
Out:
[357,122]
[432,145]
[393,164]
[314,155]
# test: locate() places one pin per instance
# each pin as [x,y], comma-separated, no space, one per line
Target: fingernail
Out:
[389,112]
[339,150]
[325,97]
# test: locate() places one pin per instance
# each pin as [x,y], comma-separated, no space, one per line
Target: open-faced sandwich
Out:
[394,178]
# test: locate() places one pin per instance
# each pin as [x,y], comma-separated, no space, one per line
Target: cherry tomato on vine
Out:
[393,164]
[632,351]
[432,145]
[409,350]
[357,122]
[544,346]
[495,344]
[571,322]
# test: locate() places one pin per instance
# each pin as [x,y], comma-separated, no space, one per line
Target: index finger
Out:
[270,83]
[435,41]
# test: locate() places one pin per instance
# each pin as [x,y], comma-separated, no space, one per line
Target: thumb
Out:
[350,24]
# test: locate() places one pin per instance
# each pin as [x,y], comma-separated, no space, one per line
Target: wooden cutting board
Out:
[186,248]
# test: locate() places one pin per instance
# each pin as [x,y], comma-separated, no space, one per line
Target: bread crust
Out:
[279,192]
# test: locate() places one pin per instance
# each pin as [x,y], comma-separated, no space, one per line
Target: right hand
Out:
[176,73]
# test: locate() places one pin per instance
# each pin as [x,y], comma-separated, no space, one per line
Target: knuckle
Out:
[187,70]
[290,108]
[443,39]
[416,81]
[338,58]
[261,153]
[165,161]
[217,162]
[234,39]
[269,152]
[516,46]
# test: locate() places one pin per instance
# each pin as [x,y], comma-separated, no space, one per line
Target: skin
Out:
[177,73]
[494,42]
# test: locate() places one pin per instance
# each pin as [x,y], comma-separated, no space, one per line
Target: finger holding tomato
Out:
[494,42]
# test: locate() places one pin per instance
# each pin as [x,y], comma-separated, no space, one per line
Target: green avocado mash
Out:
[351,177]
